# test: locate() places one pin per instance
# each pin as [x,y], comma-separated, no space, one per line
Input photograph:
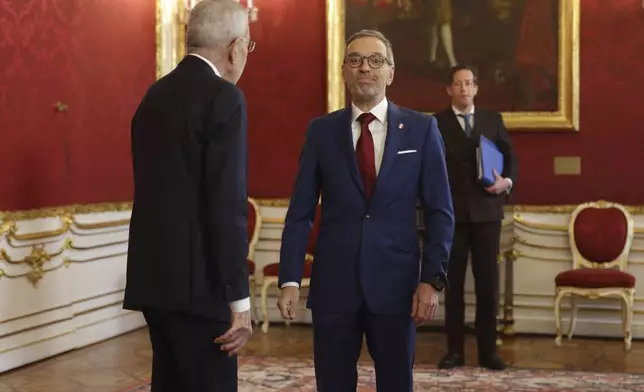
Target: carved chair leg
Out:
[265,288]
[624,311]
[253,307]
[628,301]
[558,298]
[573,315]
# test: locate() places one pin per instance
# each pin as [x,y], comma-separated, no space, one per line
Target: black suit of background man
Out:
[478,212]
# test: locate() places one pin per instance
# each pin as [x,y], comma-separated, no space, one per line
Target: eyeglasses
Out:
[375,61]
[251,45]
[466,83]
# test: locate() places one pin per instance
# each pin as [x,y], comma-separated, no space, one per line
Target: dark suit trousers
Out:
[184,356]
[337,343]
[482,239]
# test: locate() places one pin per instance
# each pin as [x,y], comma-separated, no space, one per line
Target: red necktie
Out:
[365,155]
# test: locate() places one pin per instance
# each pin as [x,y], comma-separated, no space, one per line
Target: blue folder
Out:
[488,158]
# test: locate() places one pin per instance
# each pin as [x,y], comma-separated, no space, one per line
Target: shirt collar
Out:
[207,62]
[379,111]
[457,112]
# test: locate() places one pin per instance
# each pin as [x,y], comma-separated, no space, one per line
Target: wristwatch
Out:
[437,283]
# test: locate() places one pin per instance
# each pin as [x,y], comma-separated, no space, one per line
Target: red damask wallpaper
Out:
[96,57]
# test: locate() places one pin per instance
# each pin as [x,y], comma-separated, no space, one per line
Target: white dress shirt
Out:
[241,305]
[378,128]
[207,62]
[461,120]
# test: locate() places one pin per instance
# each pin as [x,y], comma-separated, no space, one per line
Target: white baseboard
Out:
[36,344]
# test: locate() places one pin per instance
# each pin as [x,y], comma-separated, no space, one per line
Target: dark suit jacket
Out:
[188,237]
[472,203]
[369,250]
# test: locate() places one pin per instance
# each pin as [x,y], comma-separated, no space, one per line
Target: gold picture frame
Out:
[171,18]
[171,23]
[566,118]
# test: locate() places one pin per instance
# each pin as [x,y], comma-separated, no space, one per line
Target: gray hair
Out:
[214,24]
[374,34]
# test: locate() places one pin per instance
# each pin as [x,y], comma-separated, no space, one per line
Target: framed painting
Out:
[171,25]
[172,16]
[526,53]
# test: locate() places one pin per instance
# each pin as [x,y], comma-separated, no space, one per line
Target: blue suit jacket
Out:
[369,251]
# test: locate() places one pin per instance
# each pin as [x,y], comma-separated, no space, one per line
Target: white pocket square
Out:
[406,152]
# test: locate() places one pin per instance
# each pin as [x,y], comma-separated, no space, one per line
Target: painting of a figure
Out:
[514,44]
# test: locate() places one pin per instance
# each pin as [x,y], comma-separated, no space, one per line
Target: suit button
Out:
[367,216]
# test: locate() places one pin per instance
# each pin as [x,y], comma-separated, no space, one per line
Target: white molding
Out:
[79,298]
[80,303]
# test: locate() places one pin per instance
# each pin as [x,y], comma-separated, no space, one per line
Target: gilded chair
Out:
[271,271]
[600,235]
[254,226]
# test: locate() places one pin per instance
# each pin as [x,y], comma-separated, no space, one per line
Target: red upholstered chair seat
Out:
[595,278]
[274,269]
[251,267]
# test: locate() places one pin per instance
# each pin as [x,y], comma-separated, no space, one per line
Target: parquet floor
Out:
[118,363]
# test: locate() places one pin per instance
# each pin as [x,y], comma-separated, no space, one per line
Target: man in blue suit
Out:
[372,163]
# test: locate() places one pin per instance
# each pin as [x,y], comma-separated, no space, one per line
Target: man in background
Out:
[187,270]
[372,162]
[478,211]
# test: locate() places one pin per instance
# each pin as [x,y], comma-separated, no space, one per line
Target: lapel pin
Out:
[400,126]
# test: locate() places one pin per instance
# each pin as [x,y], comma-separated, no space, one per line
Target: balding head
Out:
[218,30]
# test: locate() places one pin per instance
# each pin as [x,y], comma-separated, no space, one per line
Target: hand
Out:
[288,302]
[424,304]
[236,337]
[500,184]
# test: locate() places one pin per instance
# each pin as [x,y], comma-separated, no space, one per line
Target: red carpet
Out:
[267,374]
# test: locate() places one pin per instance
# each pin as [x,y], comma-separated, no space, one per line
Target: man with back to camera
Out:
[372,162]
[187,269]
[478,211]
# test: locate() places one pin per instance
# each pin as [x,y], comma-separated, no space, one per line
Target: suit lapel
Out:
[396,131]
[478,125]
[345,140]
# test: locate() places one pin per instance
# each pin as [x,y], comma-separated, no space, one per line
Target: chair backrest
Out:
[254,226]
[600,235]
[313,237]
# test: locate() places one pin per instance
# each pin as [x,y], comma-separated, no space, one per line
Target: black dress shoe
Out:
[451,360]
[492,362]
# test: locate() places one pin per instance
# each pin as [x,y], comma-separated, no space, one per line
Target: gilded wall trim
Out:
[39,261]
[74,209]
[78,209]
